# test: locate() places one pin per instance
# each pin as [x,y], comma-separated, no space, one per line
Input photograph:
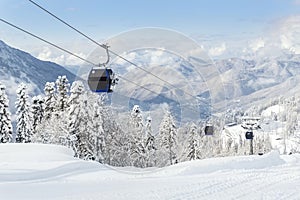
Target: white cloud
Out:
[289,34]
[285,42]
[44,54]
[199,52]
[281,36]
[47,54]
[56,56]
[256,44]
[72,60]
[278,37]
[217,51]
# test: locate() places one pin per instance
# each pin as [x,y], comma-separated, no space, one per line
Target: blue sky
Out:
[103,19]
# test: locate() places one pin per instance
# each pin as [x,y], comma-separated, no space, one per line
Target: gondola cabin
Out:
[100,80]
[209,129]
[249,135]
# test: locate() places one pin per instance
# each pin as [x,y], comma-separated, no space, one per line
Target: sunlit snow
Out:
[39,171]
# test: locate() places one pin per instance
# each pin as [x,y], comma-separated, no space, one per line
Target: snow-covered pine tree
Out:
[62,88]
[193,143]
[86,144]
[137,118]
[117,139]
[262,143]
[182,138]
[5,120]
[149,133]
[50,99]
[98,136]
[37,109]
[168,131]
[233,115]
[73,113]
[79,122]
[217,137]
[205,142]
[24,129]
[109,144]
[242,146]
[52,131]
[138,147]
[150,144]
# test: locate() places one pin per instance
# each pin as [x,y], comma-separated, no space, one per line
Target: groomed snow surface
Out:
[39,171]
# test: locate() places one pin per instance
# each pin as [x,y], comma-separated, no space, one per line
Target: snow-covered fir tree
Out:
[5,117]
[182,138]
[262,143]
[77,90]
[46,127]
[233,115]
[86,133]
[194,151]
[117,138]
[150,143]
[62,88]
[77,122]
[24,127]
[137,118]
[138,146]
[52,131]
[98,135]
[117,141]
[50,99]
[37,109]
[168,131]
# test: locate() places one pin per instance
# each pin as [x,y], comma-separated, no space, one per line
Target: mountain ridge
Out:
[17,66]
[248,81]
[244,80]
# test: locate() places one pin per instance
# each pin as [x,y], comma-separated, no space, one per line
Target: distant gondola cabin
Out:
[99,80]
[209,130]
[249,135]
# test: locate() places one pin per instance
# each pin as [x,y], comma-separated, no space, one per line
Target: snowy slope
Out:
[39,171]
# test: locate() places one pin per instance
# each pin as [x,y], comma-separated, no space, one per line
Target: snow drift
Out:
[39,171]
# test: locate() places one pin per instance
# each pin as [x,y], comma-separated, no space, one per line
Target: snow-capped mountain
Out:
[185,83]
[221,83]
[259,80]
[17,66]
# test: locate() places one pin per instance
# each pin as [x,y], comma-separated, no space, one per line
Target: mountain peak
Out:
[17,66]
[14,61]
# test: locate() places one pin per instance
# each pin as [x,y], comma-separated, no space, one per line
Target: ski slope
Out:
[39,171]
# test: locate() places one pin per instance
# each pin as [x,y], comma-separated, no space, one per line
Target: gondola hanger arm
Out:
[105,46]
